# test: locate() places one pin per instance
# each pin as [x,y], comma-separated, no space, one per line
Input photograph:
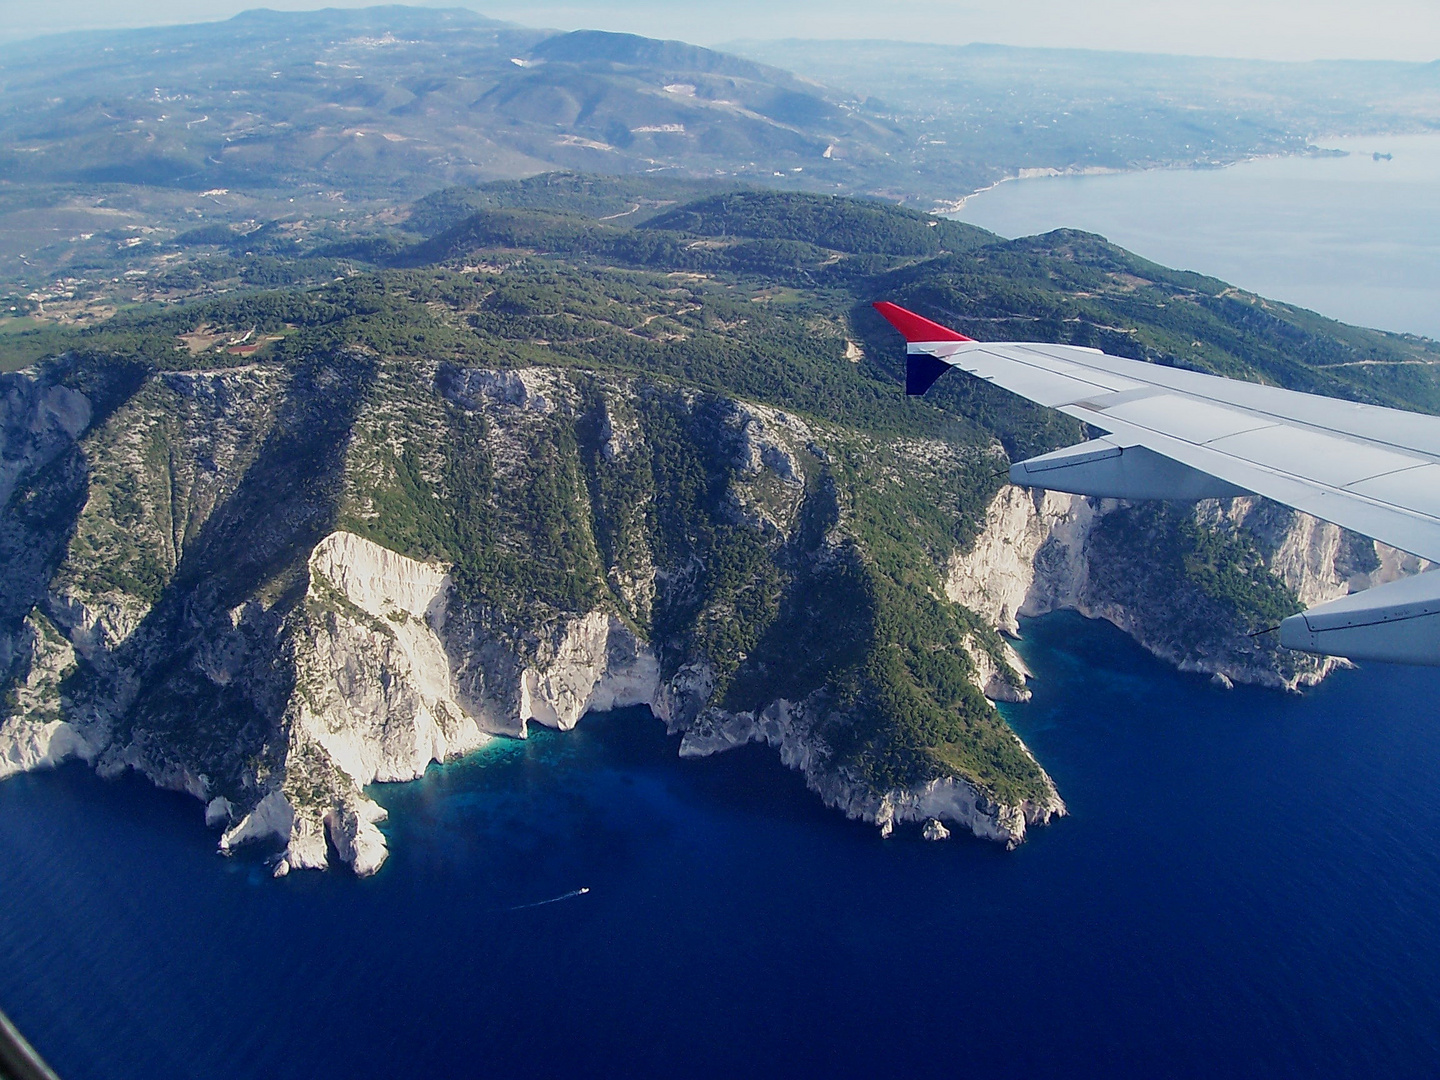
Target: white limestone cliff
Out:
[382,692]
[374,689]
[1034,556]
[392,672]
[35,736]
[995,578]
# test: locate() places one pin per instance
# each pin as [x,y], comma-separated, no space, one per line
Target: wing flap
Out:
[1185,418]
[1404,517]
[1328,459]
[1418,488]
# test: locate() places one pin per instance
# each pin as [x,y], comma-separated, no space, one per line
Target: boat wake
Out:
[553,900]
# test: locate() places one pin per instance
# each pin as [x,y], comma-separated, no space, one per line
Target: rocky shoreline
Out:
[369,668]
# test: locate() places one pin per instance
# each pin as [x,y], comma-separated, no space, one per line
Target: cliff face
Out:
[1139,568]
[794,730]
[273,586]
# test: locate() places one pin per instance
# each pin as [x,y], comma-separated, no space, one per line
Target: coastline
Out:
[1316,149]
[1332,231]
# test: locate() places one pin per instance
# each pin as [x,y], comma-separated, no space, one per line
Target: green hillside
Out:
[658,324]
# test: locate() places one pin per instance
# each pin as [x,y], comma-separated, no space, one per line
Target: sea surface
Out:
[1248,885]
[1354,238]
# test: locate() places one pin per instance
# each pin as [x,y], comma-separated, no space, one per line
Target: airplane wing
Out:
[1187,435]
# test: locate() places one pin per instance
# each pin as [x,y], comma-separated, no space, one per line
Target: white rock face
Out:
[97,625]
[273,816]
[374,701]
[219,811]
[27,745]
[378,696]
[582,673]
[384,687]
[356,838]
[37,422]
[934,830]
[35,737]
[1305,559]
[995,577]
[1309,553]
[536,389]
[990,680]
[1033,558]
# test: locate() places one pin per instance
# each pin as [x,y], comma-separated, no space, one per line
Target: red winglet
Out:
[916,327]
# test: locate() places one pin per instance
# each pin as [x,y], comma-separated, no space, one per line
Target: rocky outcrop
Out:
[934,829]
[790,728]
[36,736]
[38,421]
[1044,551]
[1002,679]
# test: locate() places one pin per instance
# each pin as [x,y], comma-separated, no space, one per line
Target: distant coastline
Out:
[1334,230]
[952,207]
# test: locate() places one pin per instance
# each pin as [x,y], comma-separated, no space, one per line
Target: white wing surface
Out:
[1367,468]
[1184,434]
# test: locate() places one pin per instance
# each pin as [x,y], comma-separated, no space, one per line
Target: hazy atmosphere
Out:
[1270,29]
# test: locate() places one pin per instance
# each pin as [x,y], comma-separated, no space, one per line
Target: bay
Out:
[1351,237]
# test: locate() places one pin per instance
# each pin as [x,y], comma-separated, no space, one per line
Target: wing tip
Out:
[916,327]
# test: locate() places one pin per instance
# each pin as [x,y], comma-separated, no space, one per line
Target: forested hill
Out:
[640,400]
[388,102]
[788,256]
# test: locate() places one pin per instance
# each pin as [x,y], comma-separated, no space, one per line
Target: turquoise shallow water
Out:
[1350,237]
[1247,886]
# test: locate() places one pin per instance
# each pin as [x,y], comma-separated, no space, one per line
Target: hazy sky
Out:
[1276,29]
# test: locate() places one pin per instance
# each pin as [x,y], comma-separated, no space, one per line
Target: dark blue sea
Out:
[1248,885]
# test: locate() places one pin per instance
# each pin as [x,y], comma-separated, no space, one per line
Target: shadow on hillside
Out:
[213,679]
[37,524]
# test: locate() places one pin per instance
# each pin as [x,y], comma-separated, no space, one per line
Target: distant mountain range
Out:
[396,101]
[324,125]
[393,102]
[1019,108]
